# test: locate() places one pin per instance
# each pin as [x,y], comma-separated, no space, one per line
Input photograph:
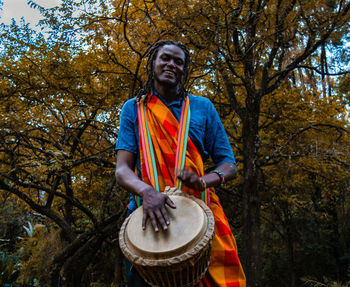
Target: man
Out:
[165,102]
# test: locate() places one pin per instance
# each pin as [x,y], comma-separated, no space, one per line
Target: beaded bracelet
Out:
[220,174]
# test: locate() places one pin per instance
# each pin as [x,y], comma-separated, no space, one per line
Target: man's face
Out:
[169,66]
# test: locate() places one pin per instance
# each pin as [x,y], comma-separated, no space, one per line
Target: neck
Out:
[169,94]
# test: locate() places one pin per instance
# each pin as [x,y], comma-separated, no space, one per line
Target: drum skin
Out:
[176,257]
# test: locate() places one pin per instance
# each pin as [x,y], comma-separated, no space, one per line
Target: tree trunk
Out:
[55,276]
[75,267]
[291,260]
[251,205]
[118,268]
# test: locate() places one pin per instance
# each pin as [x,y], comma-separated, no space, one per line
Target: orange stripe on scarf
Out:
[225,269]
[164,127]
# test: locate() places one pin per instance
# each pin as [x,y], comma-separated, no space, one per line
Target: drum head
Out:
[187,225]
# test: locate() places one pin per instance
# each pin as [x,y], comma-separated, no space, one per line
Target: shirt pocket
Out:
[197,128]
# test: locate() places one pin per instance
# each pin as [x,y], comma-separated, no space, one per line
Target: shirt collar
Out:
[176,103]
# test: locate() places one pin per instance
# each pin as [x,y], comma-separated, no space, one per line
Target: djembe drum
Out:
[178,256]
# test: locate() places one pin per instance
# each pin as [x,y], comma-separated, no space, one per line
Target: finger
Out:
[154,222]
[161,220]
[165,215]
[144,220]
[179,173]
[187,176]
[170,203]
[195,180]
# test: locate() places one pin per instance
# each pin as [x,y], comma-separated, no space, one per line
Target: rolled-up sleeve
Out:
[127,138]
[216,141]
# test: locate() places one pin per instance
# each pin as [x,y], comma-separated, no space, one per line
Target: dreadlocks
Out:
[152,55]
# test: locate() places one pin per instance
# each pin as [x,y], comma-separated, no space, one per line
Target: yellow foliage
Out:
[37,253]
[61,100]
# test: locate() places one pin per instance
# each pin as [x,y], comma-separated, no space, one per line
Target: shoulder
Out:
[130,107]
[200,102]
[130,104]
[199,99]
[129,110]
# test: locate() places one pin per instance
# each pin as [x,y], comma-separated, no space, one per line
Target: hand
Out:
[154,208]
[190,179]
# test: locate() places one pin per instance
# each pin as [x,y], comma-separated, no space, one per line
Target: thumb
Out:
[170,203]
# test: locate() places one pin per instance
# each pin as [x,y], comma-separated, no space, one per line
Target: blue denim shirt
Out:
[206,131]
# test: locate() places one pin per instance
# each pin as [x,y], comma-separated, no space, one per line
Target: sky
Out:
[18,8]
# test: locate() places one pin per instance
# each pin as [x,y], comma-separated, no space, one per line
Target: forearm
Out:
[127,179]
[229,171]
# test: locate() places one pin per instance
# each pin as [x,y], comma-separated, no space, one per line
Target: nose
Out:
[171,63]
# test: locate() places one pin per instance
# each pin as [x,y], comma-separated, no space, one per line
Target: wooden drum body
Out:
[178,256]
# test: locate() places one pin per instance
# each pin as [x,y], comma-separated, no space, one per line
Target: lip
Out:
[171,73]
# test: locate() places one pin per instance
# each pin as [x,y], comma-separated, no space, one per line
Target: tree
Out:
[252,47]
[303,187]
[56,149]
[248,56]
